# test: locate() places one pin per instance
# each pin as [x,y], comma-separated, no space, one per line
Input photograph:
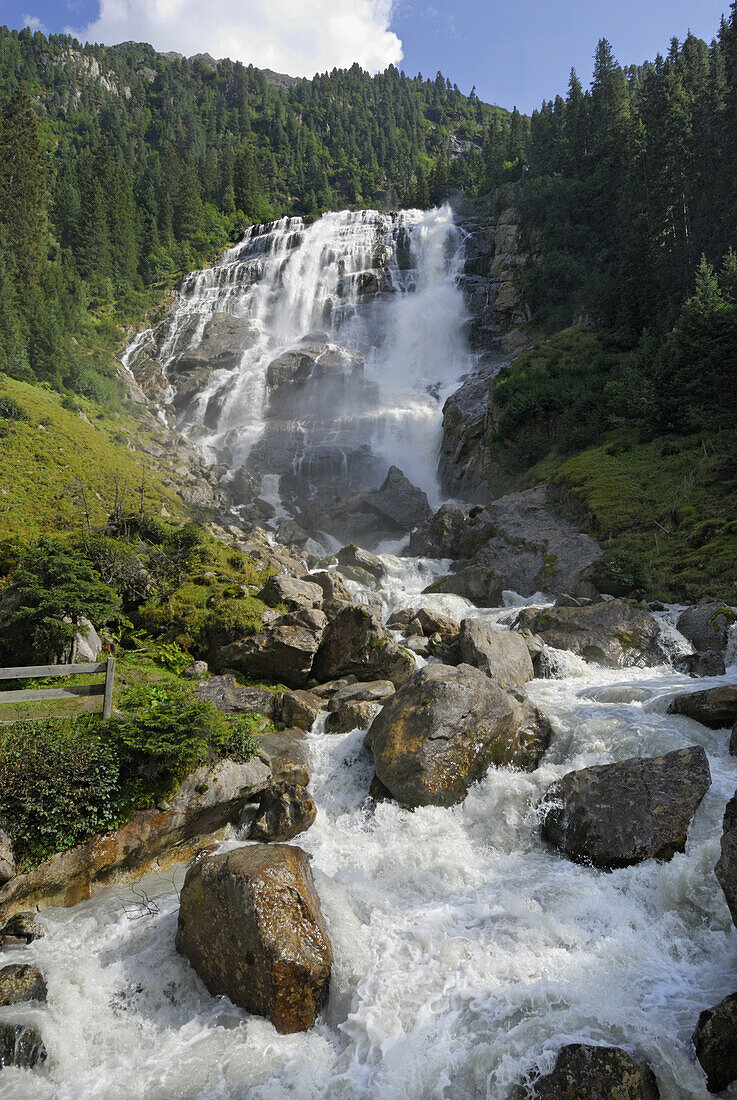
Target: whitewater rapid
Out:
[466,950]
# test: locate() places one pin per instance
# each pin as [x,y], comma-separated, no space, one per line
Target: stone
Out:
[21,1045]
[251,925]
[87,644]
[294,594]
[349,716]
[706,625]
[501,654]
[376,691]
[7,857]
[196,670]
[22,928]
[356,563]
[300,709]
[726,868]
[615,815]
[433,623]
[356,644]
[20,983]
[445,728]
[330,687]
[230,697]
[715,1041]
[285,755]
[708,663]
[284,811]
[282,653]
[332,584]
[715,707]
[733,741]
[596,1073]
[480,584]
[612,633]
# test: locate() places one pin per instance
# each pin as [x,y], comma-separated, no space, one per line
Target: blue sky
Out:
[515,53]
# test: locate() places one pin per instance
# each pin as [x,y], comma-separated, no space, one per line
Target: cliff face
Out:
[495,313]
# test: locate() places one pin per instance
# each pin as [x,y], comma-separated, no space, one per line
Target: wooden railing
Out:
[69,691]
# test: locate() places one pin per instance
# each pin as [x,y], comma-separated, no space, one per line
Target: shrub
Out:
[58,785]
[242,742]
[621,573]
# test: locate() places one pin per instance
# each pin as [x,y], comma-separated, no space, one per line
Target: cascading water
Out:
[467,952]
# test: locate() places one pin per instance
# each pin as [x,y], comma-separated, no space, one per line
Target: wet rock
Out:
[332,584]
[614,815]
[501,654]
[196,670]
[285,755]
[21,1045]
[349,716]
[295,595]
[360,565]
[440,536]
[614,633]
[7,857]
[284,811]
[355,643]
[20,983]
[715,1041]
[715,707]
[250,924]
[282,653]
[418,644]
[706,625]
[330,687]
[393,509]
[726,868]
[300,709]
[433,623]
[22,928]
[230,697]
[443,730]
[708,663]
[480,584]
[224,340]
[596,1073]
[400,620]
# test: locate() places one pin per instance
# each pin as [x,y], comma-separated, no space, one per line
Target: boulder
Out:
[285,755]
[284,811]
[250,924]
[376,691]
[349,716]
[480,584]
[706,625]
[332,584]
[614,815]
[282,653]
[22,928]
[196,670]
[443,730]
[396,507]
[356,644]
[358,564]
[596,1073]
[708,663]
[441,534]
[230,697]
[613,633]
[726,868]
[87,645]
[300,709]
[733,741]
[501,654]
[433,623]
[715,707]
[21,983]
[294,594]
[21,1045]
[7,858]
[715,1041]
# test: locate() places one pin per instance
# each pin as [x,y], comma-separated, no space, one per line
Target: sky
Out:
[515,52]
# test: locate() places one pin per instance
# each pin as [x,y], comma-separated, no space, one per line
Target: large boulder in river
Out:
[706,625]
[715,1042]
[715,707]
[393,509]
[360,565]
[356,644]
[20,983]
[20,1045]
[445,728]
[596,1073]
[283,653]
[726,868]
[250,924]
[284,811]
[612,633]
[292,593]
[614,815]
[480,584]
[501,654]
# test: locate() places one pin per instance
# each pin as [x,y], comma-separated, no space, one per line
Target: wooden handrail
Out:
[28,672]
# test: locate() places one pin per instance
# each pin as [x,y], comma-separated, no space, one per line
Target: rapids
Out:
[467,951]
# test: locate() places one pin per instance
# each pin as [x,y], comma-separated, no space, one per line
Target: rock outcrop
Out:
[715,707]
[356,644]
[614,815]
[596,1073]
[715,1042]
[611,633]
[443,730]
[250,924]
[501,654]
[726,868]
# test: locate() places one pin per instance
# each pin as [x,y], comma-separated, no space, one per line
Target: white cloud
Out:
[300,37]
[34,24]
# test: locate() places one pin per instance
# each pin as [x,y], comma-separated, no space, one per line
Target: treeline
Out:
[123,168]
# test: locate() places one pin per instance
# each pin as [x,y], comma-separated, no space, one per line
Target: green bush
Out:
[59,785]
[621,573]
[242,742]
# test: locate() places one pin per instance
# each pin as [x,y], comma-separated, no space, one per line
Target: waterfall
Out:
[321,351]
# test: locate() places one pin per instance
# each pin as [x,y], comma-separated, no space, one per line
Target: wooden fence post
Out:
[107,704]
